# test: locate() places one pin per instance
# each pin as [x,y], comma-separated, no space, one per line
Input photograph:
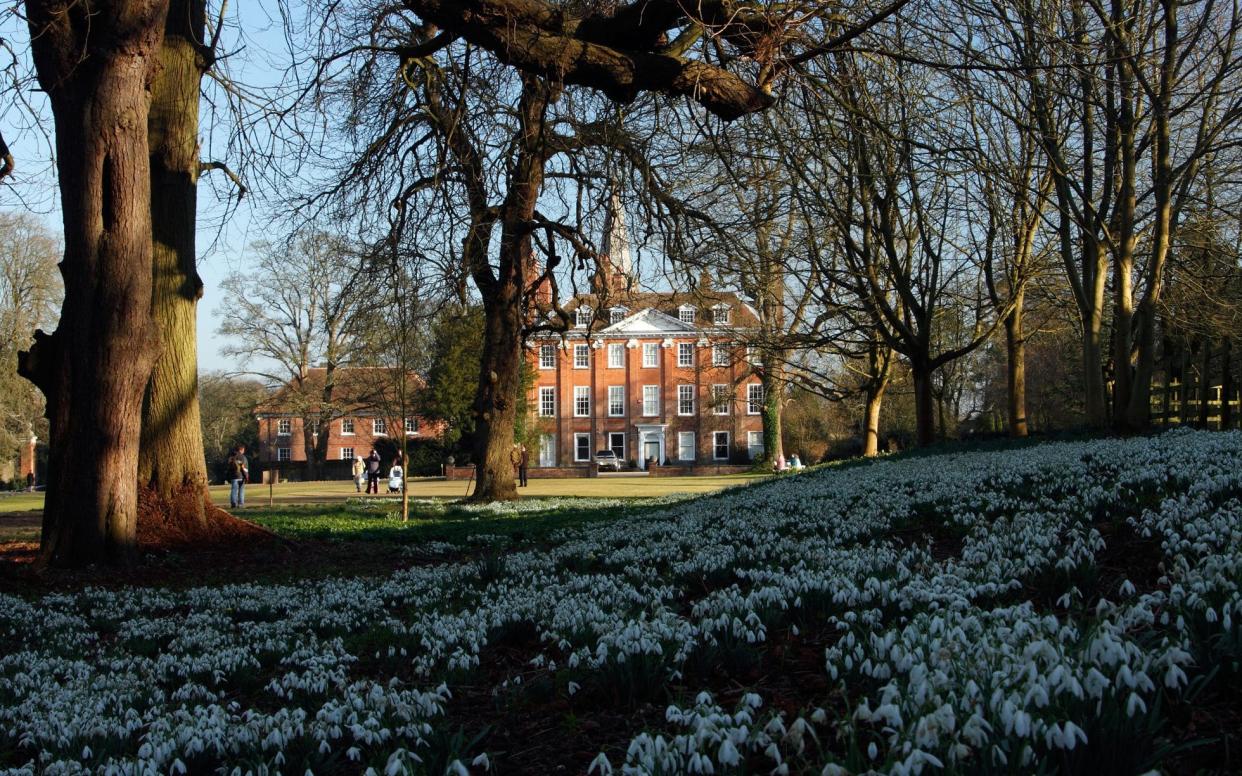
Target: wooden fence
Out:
[1171,406]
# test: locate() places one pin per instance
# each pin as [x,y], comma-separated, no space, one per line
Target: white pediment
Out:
[648,321]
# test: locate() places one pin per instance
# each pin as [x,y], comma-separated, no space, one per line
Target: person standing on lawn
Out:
[358,471]
[373,472]
[238,472]
[523,462]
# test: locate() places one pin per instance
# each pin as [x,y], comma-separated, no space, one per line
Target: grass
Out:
[381,521]
[319,509]
[339,490]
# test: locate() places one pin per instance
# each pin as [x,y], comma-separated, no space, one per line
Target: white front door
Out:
[547,450]
[650,446]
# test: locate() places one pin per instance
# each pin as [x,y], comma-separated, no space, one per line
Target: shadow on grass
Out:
[380,521]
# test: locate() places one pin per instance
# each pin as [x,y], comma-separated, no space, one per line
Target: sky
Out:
[225,227]
[257,55]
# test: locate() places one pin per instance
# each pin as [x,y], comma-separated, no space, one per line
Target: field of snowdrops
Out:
[1067,607]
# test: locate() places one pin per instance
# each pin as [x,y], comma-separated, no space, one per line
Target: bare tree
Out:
[30,293]
[879,172]
[307,302]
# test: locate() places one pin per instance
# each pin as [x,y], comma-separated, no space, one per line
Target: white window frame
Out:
[578,439]
[379,427]
[582,401]
[347,453]
[411,426]
[284,427]
[728,445]
[616,315]
[682,436]
[685,354]
[284,454]
[616,355]
[582,317]
[686,314]
[721,315]
[651,355]
[616,401]
[752,355]
[582,356]
[347,423]
[754,398]
[751,436]
[651,401]
[720,355]
[547,401]
[685,400]
[612,436]
[721,399]
[547,356]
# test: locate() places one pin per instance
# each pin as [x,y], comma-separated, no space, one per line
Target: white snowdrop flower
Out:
[728,754]
[455,768]
[872,751]
[573,687]
[832,769]
[481,761]
[1135,704]
[601,764]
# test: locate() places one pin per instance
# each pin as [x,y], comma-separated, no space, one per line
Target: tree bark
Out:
[1205,382]
[773,379]
[308,446]
[503,292]
[1015,373]
[924,404]
[1226,384]
[171,460]
[95,64]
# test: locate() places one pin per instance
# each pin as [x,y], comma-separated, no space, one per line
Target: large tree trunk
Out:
[1226,384]
[773,379]
[94,63]
[1015,372]
[1205,382]
[879,368]
[500,373]
[496,401]
[309,448]
[924,404]
[171,461]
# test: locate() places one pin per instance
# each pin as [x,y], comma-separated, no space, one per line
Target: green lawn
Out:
[22,502]
[460,525]
[334,509]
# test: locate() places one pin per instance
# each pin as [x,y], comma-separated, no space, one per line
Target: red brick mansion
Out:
[360,416]
[651,376]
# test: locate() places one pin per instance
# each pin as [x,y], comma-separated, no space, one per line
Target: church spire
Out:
[615,273]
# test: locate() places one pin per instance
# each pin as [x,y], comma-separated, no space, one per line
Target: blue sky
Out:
[259,55]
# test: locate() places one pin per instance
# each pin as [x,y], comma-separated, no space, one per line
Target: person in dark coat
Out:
[373,471]
[523,462]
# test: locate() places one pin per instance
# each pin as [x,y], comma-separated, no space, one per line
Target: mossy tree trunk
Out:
[171,461]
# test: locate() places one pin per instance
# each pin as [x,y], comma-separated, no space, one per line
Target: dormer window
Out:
[720,315]
[685,314]
[616,315]
[582,316]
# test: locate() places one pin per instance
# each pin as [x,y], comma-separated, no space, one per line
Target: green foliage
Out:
[453,377]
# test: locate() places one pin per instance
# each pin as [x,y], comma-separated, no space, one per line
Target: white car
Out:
[607,459]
